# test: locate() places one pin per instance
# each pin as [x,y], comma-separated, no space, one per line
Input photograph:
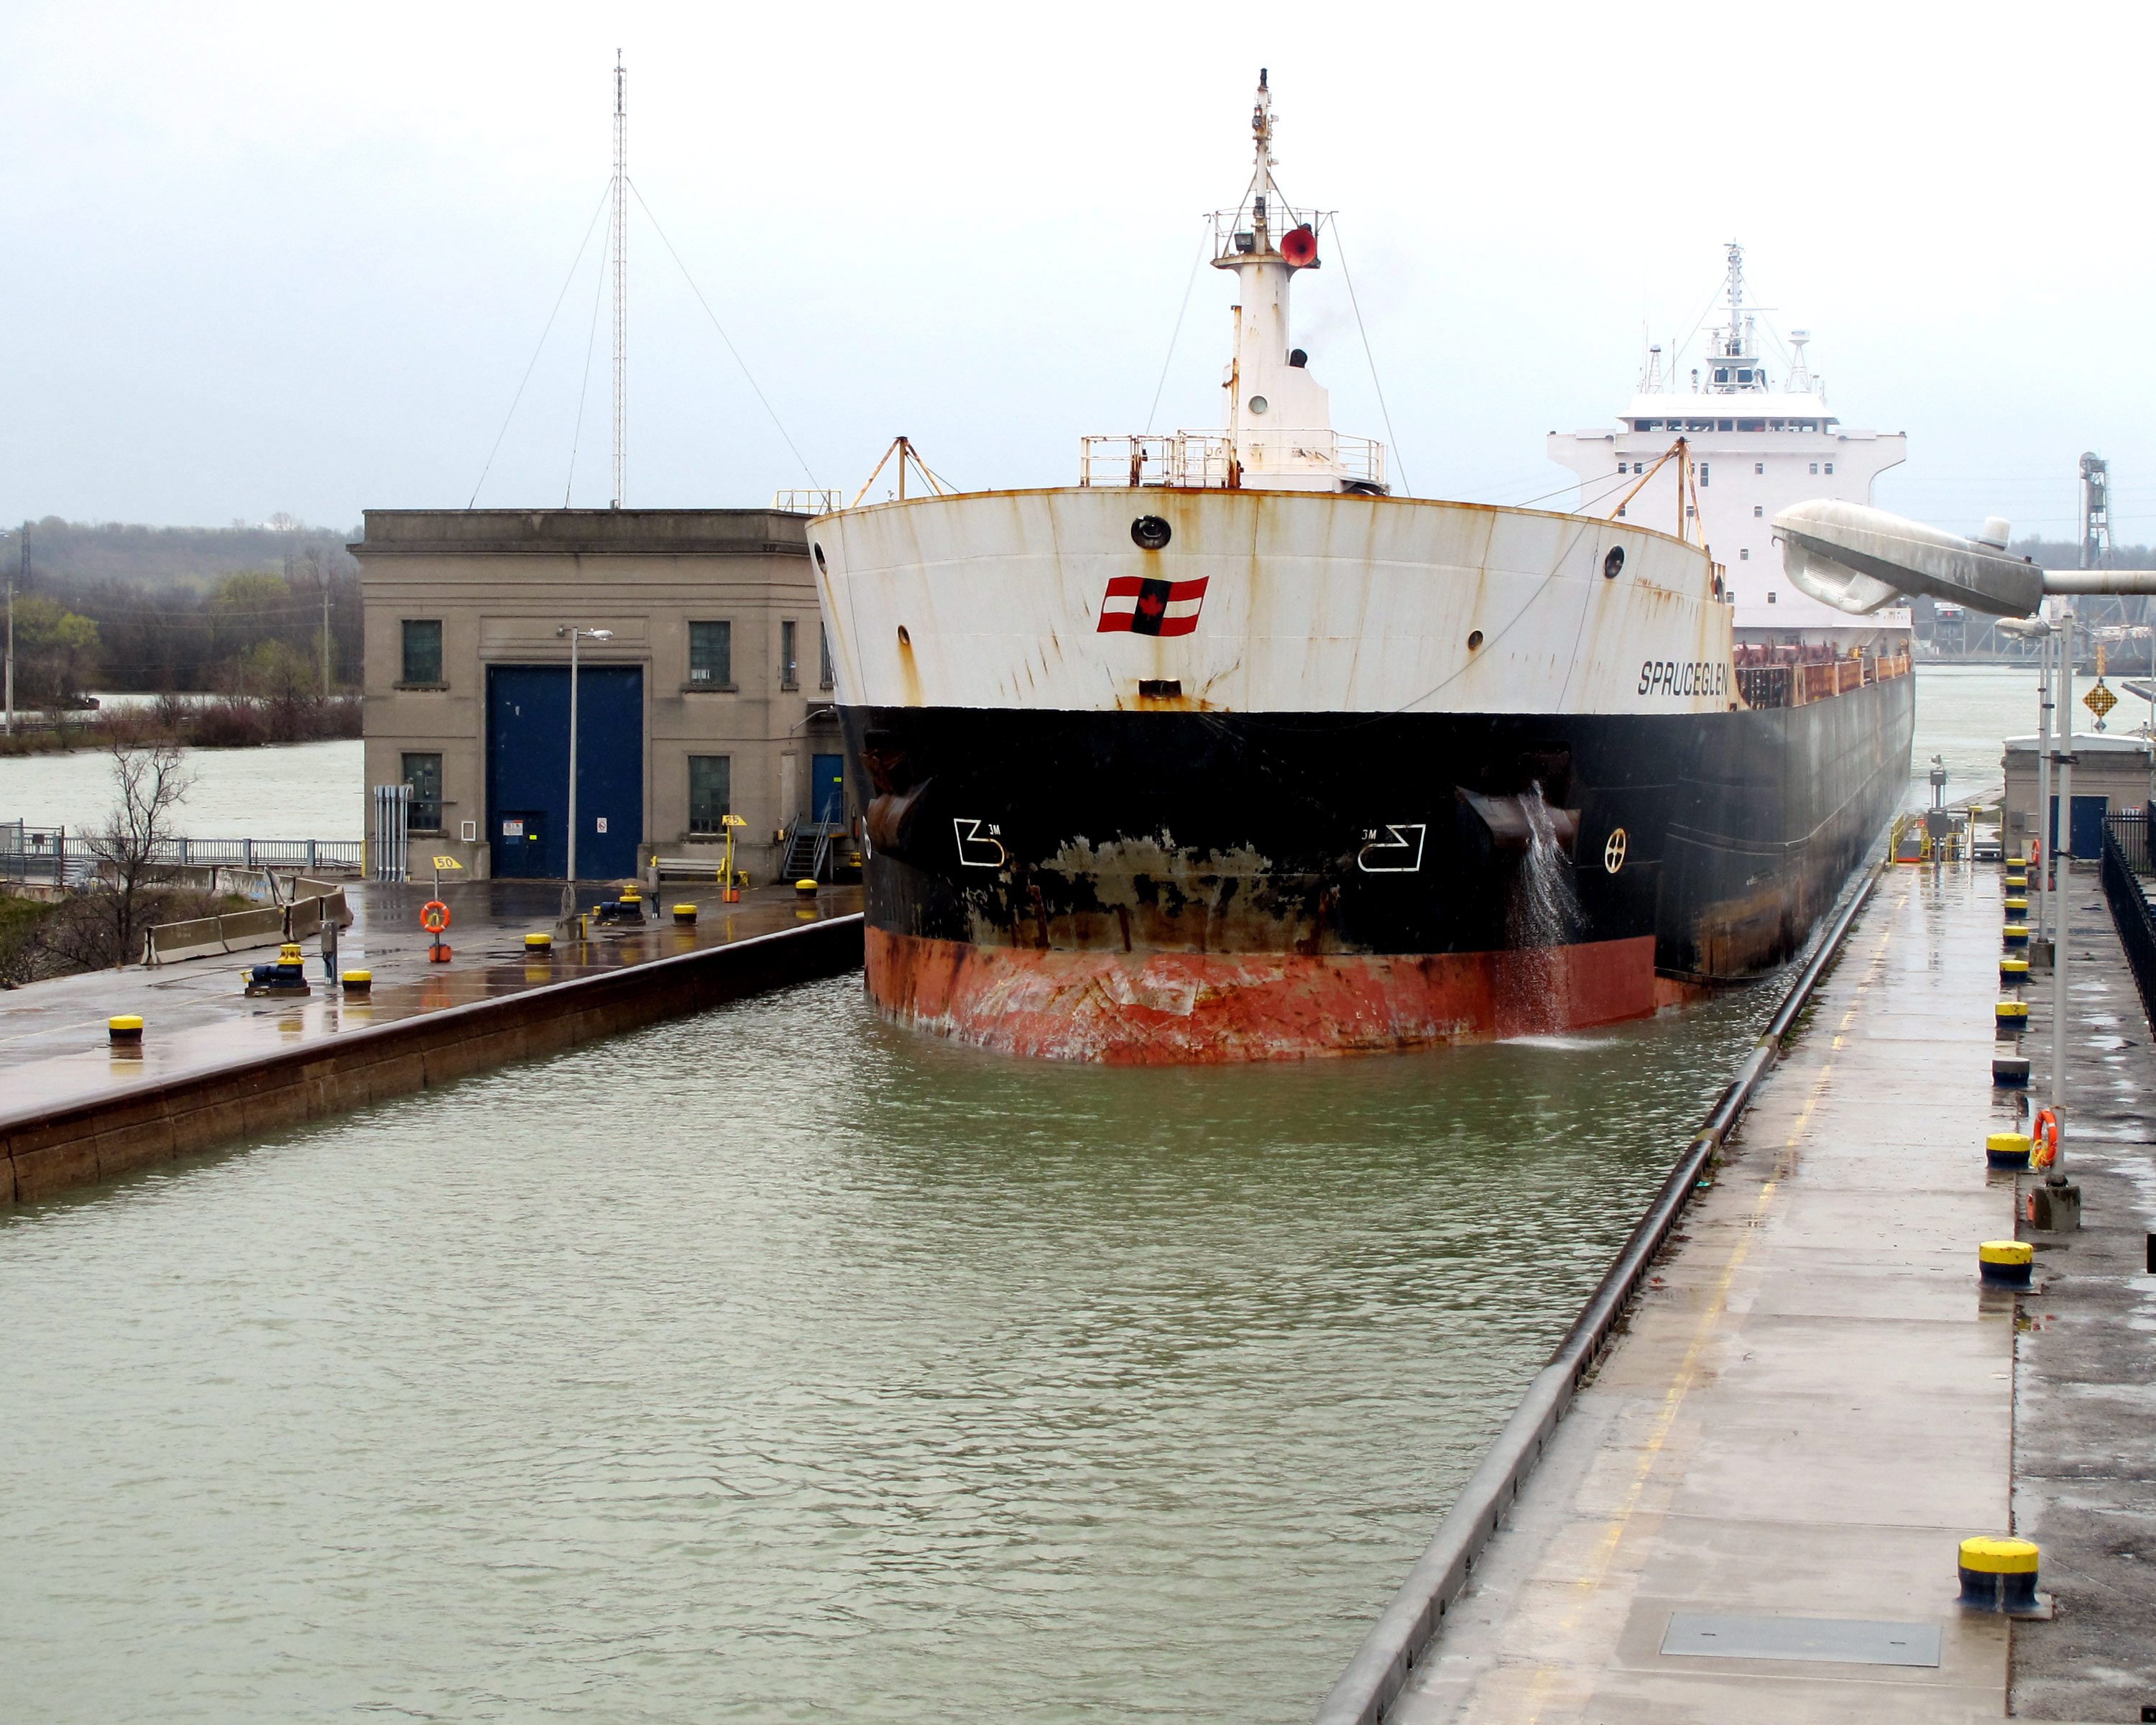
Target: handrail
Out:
[1378,1671]
[2130,909]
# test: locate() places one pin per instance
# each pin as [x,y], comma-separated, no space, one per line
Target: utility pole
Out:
[620,280]
[22,559]
[2041,839]
[2063,758]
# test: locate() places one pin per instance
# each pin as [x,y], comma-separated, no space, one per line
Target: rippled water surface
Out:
[778,1365]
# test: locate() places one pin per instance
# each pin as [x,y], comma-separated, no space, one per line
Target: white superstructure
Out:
[1755,449]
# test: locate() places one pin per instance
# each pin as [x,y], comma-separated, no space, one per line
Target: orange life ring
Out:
[2046,1135]
[434,916]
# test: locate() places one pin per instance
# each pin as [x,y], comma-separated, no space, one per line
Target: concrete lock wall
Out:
[501,582]
[44,1152]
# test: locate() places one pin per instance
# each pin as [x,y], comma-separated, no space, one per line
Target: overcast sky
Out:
[298,259]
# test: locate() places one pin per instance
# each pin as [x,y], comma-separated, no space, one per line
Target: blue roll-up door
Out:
[527,780]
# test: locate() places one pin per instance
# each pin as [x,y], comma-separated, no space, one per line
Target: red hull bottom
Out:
[1187,1008]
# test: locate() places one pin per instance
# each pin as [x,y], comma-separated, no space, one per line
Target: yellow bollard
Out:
[2005,1263]
[2008,1150]
[1999,1575]
[2012,1014]
[359,985]
[685,916]
[124,1031]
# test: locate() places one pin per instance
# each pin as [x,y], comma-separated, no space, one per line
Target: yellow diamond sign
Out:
[2100,700]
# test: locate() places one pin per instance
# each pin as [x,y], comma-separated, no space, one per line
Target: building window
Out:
[1758,509]
[711,654]
[1758,467]
[1830,467]
[823,643]
[1743,553]
[711,793]
[1814,467]
[789,656]
[1621,511]
[423,773]
[1770,595]
[1702,473]
[422,651]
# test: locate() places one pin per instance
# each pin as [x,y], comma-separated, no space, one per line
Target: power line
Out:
[748,375]
[1384,412]
[574,263]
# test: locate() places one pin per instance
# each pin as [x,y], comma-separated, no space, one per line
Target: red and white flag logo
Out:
[1146,607]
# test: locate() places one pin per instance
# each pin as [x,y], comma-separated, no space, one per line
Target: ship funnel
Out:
[1858,559]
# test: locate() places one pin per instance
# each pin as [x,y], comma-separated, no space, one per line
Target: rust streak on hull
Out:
[1161,1009]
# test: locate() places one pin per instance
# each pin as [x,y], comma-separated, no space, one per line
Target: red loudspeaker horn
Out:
[1299,246]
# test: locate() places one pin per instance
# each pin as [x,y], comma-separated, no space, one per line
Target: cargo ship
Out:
[1227,752]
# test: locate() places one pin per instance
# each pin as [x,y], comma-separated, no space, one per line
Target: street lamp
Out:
[575,634]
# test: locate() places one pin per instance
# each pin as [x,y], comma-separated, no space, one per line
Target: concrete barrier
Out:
[241,931]
[86,1142]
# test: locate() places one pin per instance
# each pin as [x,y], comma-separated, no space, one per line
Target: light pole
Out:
[575,634]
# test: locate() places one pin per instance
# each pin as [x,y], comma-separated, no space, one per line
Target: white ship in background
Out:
[1756,448]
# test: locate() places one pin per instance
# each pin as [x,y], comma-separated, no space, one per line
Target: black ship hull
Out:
[1179,886]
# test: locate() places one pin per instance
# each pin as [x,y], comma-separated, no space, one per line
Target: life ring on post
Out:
[2046,1132]
[434,916]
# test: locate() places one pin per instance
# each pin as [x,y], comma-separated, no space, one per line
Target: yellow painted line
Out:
[1605,1553]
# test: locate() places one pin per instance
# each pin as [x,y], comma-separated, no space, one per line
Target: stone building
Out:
[708,695]
[2110,776]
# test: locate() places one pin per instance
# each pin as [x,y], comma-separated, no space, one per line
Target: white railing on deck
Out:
[1204,459]
[804,502]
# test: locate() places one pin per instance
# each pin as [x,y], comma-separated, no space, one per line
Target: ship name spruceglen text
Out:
[1681,676]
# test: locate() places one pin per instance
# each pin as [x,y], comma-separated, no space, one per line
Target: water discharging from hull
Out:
[1542,916]
[1544,911]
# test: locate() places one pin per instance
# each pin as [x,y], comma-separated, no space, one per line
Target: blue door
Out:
[527,769]
[827,776]
[2088,825]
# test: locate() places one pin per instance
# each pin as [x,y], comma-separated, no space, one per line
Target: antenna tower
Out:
[2096,512]
[620,280]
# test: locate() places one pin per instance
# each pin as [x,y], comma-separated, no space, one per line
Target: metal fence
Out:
[55,857]
[2125,846]
[390,834]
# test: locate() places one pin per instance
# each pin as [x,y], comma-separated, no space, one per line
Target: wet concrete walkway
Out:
[2085,1377]
[53,1048]
[1814,1403]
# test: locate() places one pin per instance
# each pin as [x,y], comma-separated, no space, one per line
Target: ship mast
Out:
[620,280]
[1279,419]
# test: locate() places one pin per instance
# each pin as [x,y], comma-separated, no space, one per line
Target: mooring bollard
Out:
[2017,883]
[2012,1016]
[2008,1150]
[2012,970]
[804,888]
[359,985]
[538,944]
[1999,1575]
[125,1033]
[2010,1071]
[685,916]
[2005,1263]
[2016,934]
[2016,909]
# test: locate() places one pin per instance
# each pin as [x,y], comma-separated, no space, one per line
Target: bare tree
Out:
[151,780]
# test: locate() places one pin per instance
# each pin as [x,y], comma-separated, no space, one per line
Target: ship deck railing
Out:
[1799,684]
[1205,460]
